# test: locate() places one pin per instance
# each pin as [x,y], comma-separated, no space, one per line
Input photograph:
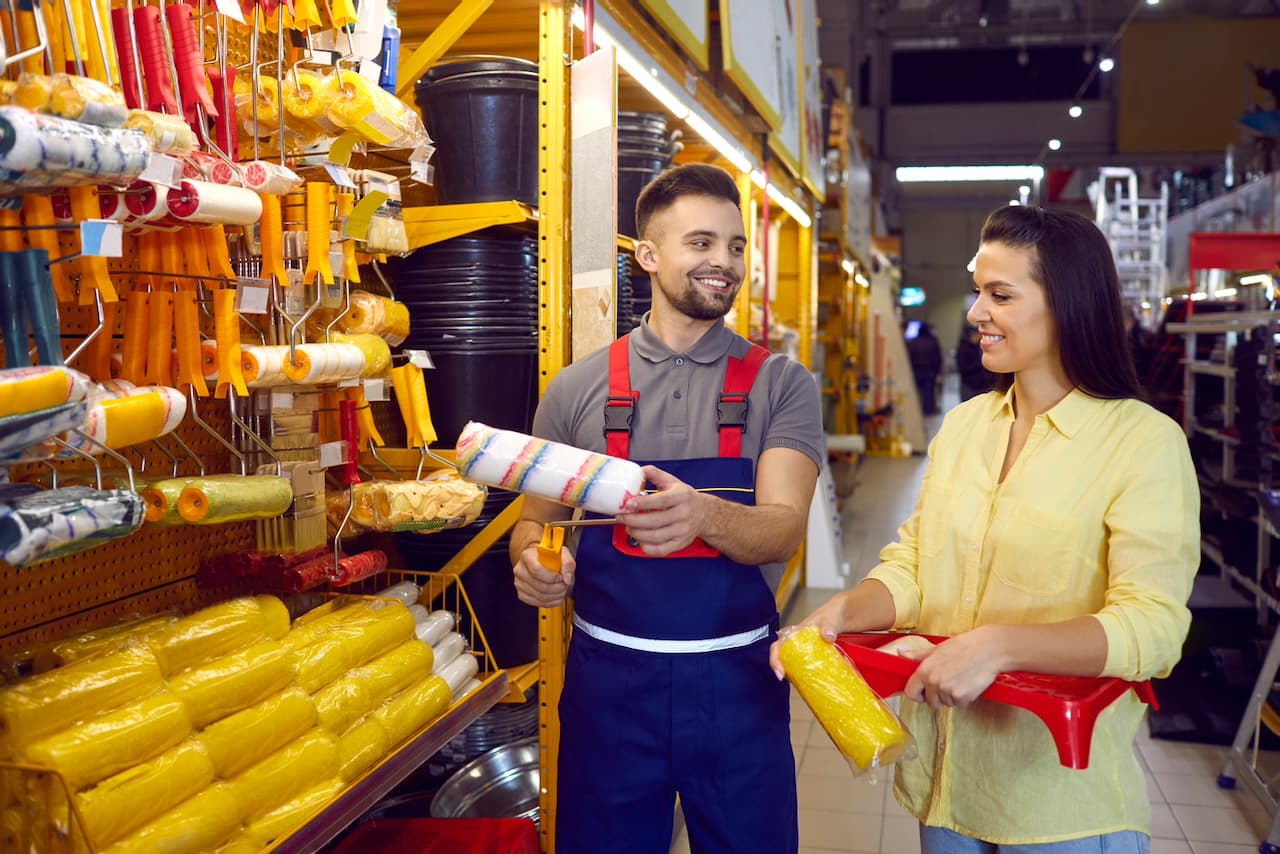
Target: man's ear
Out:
[647,256]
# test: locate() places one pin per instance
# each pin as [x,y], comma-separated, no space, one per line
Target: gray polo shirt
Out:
[675,417]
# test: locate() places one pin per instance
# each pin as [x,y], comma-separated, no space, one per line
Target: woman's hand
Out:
[829,618]
[955,673]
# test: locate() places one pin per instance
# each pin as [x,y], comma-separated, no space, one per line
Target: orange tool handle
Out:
[226,327]
[186,327]
[159,338]
[549,548]
[133,352]
[97,356]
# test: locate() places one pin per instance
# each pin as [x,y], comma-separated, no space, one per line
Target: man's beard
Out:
[695,302]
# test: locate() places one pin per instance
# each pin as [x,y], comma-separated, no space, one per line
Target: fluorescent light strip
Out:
[1224,292]
[788,204]
[948,174]
[1256,279]
[847,266]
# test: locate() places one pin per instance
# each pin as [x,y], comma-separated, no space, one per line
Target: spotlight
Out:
[1153,2]
[1106,64]
[1075,111]
[1055,144]
[1024,58]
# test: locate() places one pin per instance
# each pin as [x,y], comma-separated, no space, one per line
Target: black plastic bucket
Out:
[482,114]
[498,387]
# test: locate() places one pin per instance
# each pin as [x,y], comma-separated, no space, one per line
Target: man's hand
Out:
[955,673]
[665,521]
[535,585]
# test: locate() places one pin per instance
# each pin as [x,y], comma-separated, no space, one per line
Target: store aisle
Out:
[838,813]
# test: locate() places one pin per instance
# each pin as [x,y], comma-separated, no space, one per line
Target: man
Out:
[975,379]
[925,354]
[667,685]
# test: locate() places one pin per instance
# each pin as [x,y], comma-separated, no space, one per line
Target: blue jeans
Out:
[937,840]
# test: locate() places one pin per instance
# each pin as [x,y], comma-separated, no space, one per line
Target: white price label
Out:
[370,71]
[231,8]
[101,238]
[420,359]
[252,296]
[348,383]
[375,389]
[339,174]
[163,169]
[333,454]
[281,400]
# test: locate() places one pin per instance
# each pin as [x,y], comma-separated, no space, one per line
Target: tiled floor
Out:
[1190,814]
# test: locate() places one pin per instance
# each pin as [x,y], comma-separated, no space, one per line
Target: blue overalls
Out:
[667,685]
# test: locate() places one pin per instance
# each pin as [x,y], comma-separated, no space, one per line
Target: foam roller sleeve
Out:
[364,744]
[218,630]
[288,817]
[458,672]
[342,703]
[248,736]
[449,648]
[568,475]
[413,708]
[32,389]
[235,682]
[286,773]
[392,672]
[863,728]
[199,824]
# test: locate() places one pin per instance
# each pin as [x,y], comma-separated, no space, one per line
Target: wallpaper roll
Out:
[46,151]
[198,824]
[206,202]
[361,746]
[413,708]
[218,630]
[42,705]
[38,525]
[248,736]
[125,802]
[292,815]
[208,501]
[286,773]
[450,647]
[561,473]
[110,743]
[392,672]
[341,703]
[232,683]
[32,389]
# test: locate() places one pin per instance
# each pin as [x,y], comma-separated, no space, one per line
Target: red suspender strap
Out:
[731,412]
[620,404]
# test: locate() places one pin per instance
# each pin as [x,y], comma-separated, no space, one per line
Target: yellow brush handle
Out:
[133,352]
[272,239]
[421,409]
[226,323]
[400,383]
[217,251]
[350,269]
[318,220]
[159,338]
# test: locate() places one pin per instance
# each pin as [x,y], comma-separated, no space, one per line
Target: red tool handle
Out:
[348,426]
[155,70]
[192,80]
[305,576]
[226,128]
[124,53]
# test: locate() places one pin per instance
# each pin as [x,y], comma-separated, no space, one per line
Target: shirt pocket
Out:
[935,520]
[1041,552]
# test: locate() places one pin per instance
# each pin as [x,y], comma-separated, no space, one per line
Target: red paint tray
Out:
[1068,705]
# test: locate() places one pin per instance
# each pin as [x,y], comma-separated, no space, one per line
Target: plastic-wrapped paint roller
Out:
[46,151]
[307,575]
[376,351]
[161,497]
[392,672]
[234,682]
[201,823]
[469,687]
[414,707]
[83,99]
[341,703]
[42,705]
[435,626]
[147,202]
[263,176]
[305,98]
[103,641]
[863,728]
[167,134]
[268,106]
[248,736]
[376,315]
[359,105]
[457,672]
[449,648]
[148,412]
[290,816]
[320,363]
[286,773]
[110,743]
[568,475]
[263,366]
[368,635]
[217,631]
[214,502]
[361,746]
[226,324]
[359,567]
[406,591]
[40,387]
[126,801]
[203,201]
[38,525]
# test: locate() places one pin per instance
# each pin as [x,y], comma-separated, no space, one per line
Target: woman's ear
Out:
[647,256]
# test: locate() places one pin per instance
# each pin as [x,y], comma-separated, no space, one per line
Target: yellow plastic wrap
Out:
[214,501]
[236,742]
[45,704]
[863,728]
[391,673]
[121,804]
[364,744]
[234,682]
[306,96]
[376,315]
[105,640]
[200,824]
[286,773]
[374,113]
[377,353]
[321,662]
[316,622]
[168,134]
[410,710]
[218,630]
[106,745]
[387,626]
[441,499]
[342,703]
[289,817]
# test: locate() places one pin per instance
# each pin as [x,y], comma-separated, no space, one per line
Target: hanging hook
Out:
[172,459]
[195,416]
[377,271]
[186,449]
[251,433]
[373,452]
[102,322]
[97,466]
[120,458]
[346,307]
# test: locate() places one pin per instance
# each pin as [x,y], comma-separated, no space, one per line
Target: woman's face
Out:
[1012,312]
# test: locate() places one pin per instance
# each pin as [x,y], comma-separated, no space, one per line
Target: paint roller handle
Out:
[350,472]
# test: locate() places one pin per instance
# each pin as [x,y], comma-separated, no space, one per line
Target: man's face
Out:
[696,255]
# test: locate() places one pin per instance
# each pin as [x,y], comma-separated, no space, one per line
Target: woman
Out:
[1056,531]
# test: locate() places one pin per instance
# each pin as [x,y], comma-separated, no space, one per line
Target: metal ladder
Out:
[1137,229]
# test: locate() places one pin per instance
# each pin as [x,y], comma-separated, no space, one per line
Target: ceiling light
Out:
[1055,144]
[1153,2]
[948,174]
[1256,279]
[1223,293]
[1106,64]
[1075,111]
[847,266]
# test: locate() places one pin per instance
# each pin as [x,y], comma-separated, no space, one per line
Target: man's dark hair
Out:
[692,179]
[1073,262]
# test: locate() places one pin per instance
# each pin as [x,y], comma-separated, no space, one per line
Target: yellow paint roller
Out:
[209,501]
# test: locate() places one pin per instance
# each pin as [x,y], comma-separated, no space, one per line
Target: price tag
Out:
[281,400]
[339,174]
[370,71]
[375,389]
[231,8]
[101,238]
[252,296]
[337,262]
[163,169]
[333,454]
[420,359]
[349,383]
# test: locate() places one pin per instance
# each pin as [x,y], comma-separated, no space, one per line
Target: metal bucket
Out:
[502,783]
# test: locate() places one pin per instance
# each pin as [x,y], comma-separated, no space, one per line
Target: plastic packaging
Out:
[376,315]
[48,151]
[214,502]
[392,672]
[572,476]
[864,729]
[44,704]
[362,745]
[447,649]
[358,104]
[121,804]
[387,231]
[376,351]
[217,631]
[32,389]
[288,817]
[167,134]
[199,824]
[235,682]
[435,626]
[38,525]
[242,739]
[406,591]
[413,708]
[342,703]
[440,501]
[379,630]
[286,773]
[106,640]
[106,745]
[457,672]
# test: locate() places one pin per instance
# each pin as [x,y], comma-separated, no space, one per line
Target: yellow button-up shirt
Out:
[1098,516]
